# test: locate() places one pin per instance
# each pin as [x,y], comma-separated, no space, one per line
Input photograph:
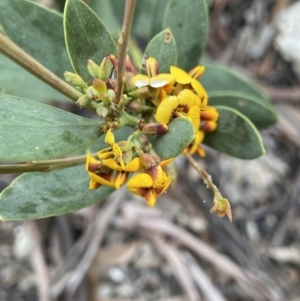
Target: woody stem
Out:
[123,43]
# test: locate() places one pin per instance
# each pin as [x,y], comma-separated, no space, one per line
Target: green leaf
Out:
[158,13]
[163,48]
[38,195]
[257,111]
[105,11]
[31,131]
[179,136]
[38,31]
[235,135]
[86,37]
[239,93]
[221,78]
[188,21]
[16,81]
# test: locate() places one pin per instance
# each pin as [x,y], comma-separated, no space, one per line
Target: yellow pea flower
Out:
[175,106]
[183,78]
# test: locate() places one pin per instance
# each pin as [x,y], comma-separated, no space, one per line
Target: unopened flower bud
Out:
[92,93]
[208,126]
[111,93]
[99,85]
[152,67]
[101,111]
[129,66]
[93,68]
[105,68]
[155,129]
[147,160]
[209,114]
[140,93]
[83,101]
[75,80]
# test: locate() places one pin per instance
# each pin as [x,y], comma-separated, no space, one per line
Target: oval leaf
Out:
[251,106]
[179,136]
[31,131]
[39,195]
[188,21]
[163,48]
[222,78]
[235,135]
[86,37]
[38,31]
[17,81]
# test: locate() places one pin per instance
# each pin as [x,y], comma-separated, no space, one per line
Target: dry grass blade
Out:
[205,285]
[39,263]
[74,267]
[179,269]
[133,220]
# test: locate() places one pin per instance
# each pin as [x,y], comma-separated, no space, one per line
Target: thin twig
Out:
[221,204]
[43,166]
[122,43]
[19,56]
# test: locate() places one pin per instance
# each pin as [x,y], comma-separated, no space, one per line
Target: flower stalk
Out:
[221,205]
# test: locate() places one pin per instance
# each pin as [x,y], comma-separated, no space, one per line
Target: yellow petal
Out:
[150,197]
[199,137]
[134,165]
[91,163]
[140,81]
[208,126]
[166,109]
[197,72]
[186,98]
[166,162]
[104,179]
[195,146]
[118,155]
[180,75]
[194,114]
[120,179]
[109,137]
[141,180]
[201,151]
[106,153]
[112,164]
[165,187]
[209,114]
[198,88]
[152,67]
[161,80]
[94,185]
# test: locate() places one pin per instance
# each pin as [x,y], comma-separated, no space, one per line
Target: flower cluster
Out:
[179,94]
[157,99]
[116,162]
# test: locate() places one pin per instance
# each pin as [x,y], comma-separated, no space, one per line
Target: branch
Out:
[43,166]
[122,43]
[19,56]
